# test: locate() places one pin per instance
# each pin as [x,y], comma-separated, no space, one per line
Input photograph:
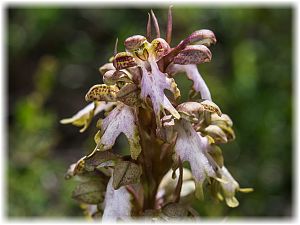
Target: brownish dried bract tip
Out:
[116,47]
[148,35]
[155,24]
[115,53]
[169,25]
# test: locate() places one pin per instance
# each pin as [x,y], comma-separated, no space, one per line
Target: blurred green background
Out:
[53,58]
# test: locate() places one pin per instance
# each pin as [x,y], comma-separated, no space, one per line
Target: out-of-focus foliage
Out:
[54,55]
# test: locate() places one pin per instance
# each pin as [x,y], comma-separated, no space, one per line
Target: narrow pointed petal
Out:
[193,54]
[149,28]
[155,24]
[169,26]
[116,47]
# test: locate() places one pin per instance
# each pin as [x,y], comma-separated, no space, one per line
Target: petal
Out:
[111,77]
[191,111]
[102,92]
[211,107]
[123,60]
[159,47]
[224,119]
[204,37]
[194,75]
[216,133]
[192,147]
[117,203]
[120,120]
[153,85]
[229,187]
[106,67]
[134,42]
[84,116]
[216,153]
[195,112]
[193,54]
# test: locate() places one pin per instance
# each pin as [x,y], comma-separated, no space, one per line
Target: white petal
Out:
[192,147]
[84,116]
[117,204]
[121,120]
[193,74]
[229,187]
[153,85]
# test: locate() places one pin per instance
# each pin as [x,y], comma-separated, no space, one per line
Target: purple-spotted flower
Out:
[163,132]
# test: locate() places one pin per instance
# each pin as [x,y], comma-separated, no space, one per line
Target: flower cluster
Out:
[141,100]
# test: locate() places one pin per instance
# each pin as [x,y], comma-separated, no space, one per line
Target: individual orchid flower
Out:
[229,187]
[120,120]
[142,101]
[192,147]
[85,116]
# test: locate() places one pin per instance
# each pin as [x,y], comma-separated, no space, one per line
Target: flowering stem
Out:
[154,167]
[179,183]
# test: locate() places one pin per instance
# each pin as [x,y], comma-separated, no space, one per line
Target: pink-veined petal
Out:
[153,85]
[192,147]
[120,120]
[117,203]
